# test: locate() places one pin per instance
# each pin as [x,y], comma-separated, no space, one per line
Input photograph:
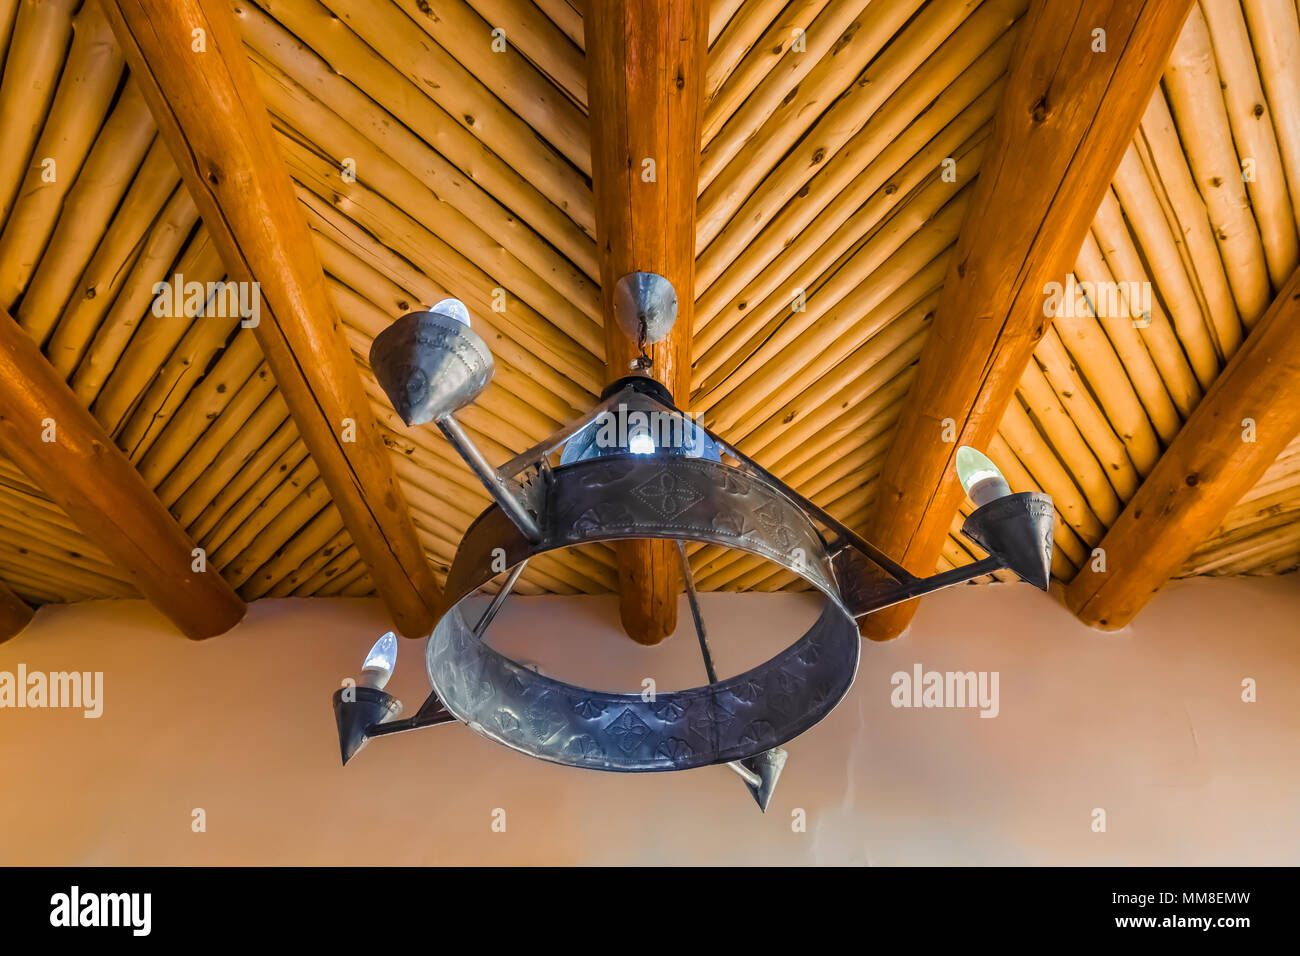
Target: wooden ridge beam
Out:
[1071,104]
[645,63]
[189,61]
[55,440]
[1245,421]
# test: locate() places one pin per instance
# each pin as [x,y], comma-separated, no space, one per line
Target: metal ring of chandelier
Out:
[733,719]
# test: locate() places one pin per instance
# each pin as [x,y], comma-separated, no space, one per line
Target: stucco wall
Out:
[1148,724]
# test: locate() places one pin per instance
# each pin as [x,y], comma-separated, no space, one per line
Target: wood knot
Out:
[1039,110]
[846,37]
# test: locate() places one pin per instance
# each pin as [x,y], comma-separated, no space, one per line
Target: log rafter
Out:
[51,436]
[190,64]
[1074,108]
[1248,417]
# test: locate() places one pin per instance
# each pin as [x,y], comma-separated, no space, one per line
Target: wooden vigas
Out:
[645,62]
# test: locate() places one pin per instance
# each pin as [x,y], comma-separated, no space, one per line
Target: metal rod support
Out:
[485,473]
[499,599]
[842,533]
[431,712]
[918,587]
[532,456]
[751,778]
[694,600]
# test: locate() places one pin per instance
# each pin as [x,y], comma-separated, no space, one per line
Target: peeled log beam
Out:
[14,614]
[51,436]
[1245,421]
[1068,112]
[645,63]
[190,64]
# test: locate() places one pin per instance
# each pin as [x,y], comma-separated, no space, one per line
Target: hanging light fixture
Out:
[637,467]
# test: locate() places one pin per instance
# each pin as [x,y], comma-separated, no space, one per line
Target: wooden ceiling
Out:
[445,148]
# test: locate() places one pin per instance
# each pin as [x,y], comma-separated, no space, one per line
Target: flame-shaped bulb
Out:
[379,663]
[979,477]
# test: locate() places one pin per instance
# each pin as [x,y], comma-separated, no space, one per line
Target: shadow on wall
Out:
[1142,731]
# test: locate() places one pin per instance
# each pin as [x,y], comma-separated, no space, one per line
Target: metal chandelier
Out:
[637,467]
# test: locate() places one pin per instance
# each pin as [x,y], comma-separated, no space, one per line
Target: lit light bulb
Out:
[640,442]
[379,663]
[452,309]
[979,477]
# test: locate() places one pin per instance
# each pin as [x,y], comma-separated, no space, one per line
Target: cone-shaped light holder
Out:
[979,477]
[1017,529]
[367,707]
[431,363]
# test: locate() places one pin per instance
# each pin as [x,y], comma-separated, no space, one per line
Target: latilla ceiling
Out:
[840,142]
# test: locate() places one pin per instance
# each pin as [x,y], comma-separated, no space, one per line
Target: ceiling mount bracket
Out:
[645,307]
